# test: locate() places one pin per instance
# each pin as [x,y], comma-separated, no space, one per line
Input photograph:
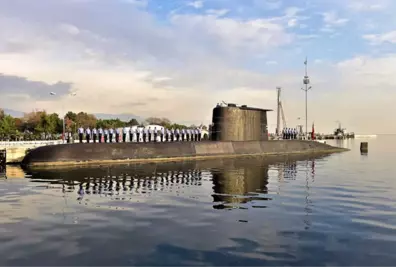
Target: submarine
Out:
[236,131]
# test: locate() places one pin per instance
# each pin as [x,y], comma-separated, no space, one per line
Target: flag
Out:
[306,61]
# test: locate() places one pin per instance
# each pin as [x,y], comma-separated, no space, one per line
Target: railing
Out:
[29,143]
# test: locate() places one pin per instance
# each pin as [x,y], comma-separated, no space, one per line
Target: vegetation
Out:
[39,125]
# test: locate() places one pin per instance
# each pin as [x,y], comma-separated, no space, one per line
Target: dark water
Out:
[333,210]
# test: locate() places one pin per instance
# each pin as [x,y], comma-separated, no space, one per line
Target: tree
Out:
[43,125]
[133,122]
[31,120]
[71,116]
[7,127]
[84,119]
[55,124]
[159,121]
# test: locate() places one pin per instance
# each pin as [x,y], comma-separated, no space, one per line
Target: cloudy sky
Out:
[178,58]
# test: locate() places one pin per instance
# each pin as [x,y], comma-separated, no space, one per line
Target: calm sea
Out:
[333,210]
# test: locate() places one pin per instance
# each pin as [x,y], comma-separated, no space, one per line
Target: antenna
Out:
[306,82]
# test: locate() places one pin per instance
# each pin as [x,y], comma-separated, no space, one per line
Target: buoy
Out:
[363,147]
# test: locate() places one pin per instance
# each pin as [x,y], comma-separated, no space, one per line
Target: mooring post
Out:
[3,154]
[364,147]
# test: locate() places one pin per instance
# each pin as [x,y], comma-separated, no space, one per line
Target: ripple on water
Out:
[297,212]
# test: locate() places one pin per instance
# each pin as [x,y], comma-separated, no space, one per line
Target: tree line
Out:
[40,125]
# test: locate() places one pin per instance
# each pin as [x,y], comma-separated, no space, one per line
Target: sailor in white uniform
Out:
[94,134]
[145,134]
[118,132]
[172,135]
[131,134]
[150,132]
[162,134]
[183,133]
[177,135]
[106,135]
[155,132]
[88,134]
[111,133]
[100,134]
[124,134]
[139,132]
[199,134]
[80,134]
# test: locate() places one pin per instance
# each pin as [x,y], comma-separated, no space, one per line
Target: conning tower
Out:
[239,123]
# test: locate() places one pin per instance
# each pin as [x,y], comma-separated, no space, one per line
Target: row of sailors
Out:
[289,133]
[146,134]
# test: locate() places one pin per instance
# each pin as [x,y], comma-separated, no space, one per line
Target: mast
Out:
[306,82]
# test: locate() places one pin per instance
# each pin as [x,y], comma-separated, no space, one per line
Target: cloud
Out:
[124,58]
[377,39]
[196,4]
[268,4]
[138,3]
[367,5]
[271,62]
[331,18]
[20,86]
[217,12]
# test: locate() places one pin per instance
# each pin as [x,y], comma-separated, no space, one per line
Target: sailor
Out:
[88,134]
[167,135]
[199,134]
[118,131]
[124,134]
[138,134]
[100,134]
[95,134]
[162,134]
[149,132]
[145,133]
[172,135]
[106,135]
[80,134]
[155,132]
[67,137]
[183,132]
[195,135]
[188,134]
[177,135]
[294,133]
[131,133]
[111,133]
[288,134]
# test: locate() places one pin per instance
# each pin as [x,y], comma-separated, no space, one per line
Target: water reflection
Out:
[235,182]
[235,185]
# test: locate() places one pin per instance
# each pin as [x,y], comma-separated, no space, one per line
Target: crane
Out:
[280,113]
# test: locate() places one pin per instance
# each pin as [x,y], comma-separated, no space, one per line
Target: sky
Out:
[179,58]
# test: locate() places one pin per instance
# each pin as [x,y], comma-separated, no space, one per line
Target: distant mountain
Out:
[13,113]
[122,116]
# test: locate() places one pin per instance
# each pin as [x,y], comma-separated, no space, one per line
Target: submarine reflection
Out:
[234,181]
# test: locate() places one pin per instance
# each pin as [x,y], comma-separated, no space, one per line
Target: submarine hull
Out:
[100,153]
